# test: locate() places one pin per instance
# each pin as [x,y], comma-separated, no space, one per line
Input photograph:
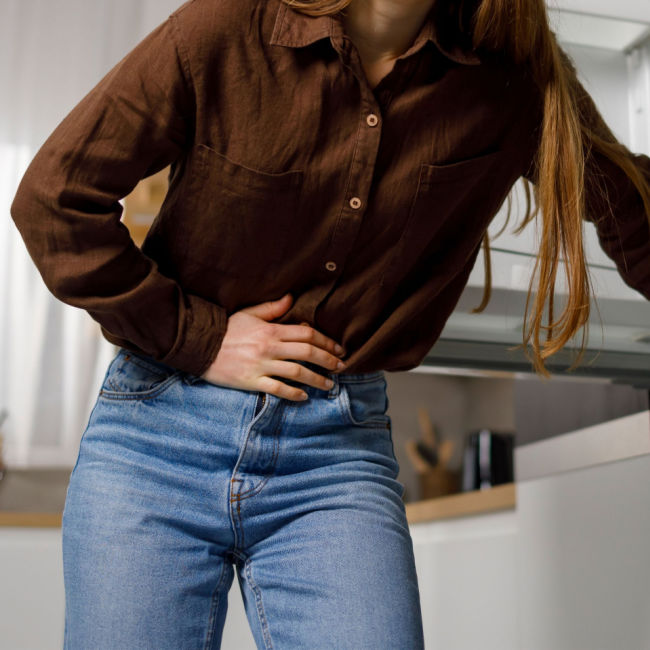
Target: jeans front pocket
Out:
[365,401]
[136,376]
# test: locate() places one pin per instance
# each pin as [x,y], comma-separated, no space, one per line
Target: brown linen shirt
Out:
[289,173]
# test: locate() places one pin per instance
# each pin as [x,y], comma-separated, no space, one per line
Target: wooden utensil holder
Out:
[433,481]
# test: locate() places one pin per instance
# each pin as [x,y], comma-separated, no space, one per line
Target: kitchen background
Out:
[552,558]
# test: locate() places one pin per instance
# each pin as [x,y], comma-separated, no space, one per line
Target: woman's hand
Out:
[254,348]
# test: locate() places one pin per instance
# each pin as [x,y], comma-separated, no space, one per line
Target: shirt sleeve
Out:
[612,202]
[137,120]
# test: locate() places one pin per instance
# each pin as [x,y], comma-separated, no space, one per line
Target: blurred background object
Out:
[429,458]
[142,205]
[3,416]
[488,460]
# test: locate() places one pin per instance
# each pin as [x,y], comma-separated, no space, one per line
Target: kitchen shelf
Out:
[31,519]
[499,497]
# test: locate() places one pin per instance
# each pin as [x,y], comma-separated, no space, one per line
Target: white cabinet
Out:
[583,575]
[32,601]
[468,583]
[567,569]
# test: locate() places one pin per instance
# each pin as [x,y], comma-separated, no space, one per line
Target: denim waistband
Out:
[344,377]
[146,360]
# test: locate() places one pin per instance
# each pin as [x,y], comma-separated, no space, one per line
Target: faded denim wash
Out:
[180,482]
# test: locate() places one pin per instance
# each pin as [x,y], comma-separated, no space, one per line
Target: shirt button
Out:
[330,266]
[355,202]
[372,119]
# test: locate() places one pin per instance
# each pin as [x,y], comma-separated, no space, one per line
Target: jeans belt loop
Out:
[334,391]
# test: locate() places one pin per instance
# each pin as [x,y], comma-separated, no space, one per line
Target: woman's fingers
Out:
[253,350]
[305,352]
[308,334]
[280,389]
[297,373]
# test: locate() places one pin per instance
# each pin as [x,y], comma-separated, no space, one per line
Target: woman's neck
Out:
[382,30]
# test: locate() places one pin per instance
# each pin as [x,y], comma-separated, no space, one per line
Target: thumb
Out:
[271,309]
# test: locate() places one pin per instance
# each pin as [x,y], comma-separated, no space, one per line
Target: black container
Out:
[487,460]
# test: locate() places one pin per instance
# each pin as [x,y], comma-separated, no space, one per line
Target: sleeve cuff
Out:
[200,334]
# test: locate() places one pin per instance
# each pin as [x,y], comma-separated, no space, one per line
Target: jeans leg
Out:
[147,537]
[326,556]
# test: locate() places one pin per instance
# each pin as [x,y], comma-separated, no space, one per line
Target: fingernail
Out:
[340,365]
[338,348]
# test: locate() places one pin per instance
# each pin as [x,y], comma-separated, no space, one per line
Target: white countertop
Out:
[617,439]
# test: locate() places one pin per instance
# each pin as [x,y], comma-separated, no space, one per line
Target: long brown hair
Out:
[520,29]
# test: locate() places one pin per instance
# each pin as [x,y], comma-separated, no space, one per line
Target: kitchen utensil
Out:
[445,452]
[428,453]
[427,428]
[432,481]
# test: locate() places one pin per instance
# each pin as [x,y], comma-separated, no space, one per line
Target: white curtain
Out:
[52,356]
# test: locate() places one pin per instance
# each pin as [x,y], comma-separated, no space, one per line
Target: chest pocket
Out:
[242,218]
[450,209]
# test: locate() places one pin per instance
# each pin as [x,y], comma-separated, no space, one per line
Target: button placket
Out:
[359,180]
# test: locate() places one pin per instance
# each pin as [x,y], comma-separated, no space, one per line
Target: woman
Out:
[334,168]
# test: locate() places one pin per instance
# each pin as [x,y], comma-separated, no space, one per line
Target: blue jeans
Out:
[179,481]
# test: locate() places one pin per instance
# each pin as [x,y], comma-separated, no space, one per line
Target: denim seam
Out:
[112,384]
[259,605]
[345,407]
[235,516]
[276,451]
[242,496]
[253,491]
[365,380]
[392,450]
[238,553]
[238,524]
[214,606]
[260,395]
[141,395]
[146,365]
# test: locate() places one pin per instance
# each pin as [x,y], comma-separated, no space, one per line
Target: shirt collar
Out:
[295,29]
